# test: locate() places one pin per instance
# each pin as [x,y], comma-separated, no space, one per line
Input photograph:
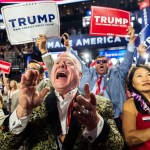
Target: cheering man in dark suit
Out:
[66,120]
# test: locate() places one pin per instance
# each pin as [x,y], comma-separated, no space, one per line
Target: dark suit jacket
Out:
[44,127]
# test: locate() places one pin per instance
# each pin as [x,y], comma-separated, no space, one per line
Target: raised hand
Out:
[86,109]
[29,98]
[131,33]
[41,43]
[65,38]
[142,49]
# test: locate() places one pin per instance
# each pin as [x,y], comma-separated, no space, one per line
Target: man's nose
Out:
[62,64]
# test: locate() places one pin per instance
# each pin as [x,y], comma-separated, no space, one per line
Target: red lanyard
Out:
[69,113]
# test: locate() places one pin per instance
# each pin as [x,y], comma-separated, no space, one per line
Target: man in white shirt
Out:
[66,119]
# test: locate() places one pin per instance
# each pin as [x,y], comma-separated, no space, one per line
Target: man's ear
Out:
[80,75]
[40,76]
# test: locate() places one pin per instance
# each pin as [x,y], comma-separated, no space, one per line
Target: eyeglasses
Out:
[103,61]
[28,68]
[66,62]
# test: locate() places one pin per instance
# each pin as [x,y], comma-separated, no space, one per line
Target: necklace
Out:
[143,104]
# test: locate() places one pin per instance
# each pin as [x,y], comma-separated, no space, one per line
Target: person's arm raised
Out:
[131,33]
[65,41]
[41,44]
[142,50]
[29,98]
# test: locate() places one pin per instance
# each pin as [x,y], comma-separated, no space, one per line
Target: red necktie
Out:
[98,83]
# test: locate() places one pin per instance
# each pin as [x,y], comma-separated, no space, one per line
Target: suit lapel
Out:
[106,80]
[53,114]
[73,132]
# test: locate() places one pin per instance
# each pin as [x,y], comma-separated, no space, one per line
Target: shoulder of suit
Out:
[104,100]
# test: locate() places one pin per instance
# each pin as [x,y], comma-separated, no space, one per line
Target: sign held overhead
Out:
[109,21]
[31,19]
[5,66]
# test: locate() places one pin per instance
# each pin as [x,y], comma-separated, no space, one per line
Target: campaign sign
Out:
[145,16]
[143,37]
[5,66]
[25,21]
[109,21]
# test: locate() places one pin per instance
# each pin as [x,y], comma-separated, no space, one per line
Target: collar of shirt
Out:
[98,76]
[69,96]
[63,105]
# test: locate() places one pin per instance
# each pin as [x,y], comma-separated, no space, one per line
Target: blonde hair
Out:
[15,84]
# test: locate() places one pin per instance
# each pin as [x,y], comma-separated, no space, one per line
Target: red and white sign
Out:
[144,4]
[43,65]
[5,66]
[109,21]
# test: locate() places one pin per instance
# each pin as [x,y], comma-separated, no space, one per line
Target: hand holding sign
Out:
[142,49]
[41,43]
[131,33]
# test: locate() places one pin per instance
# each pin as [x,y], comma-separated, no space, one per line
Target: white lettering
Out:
[127,38]
[79,43]
[103,19]
[117,39]
[50,44]
[96,17]
[86,41]
[99,40]
[4,67]
[125,21]
[110,39]
[104,40]
[57,44]
[110,20]
[145,16]
[93,41]
[148,40]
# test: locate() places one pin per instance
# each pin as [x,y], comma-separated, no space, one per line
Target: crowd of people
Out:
[78,107]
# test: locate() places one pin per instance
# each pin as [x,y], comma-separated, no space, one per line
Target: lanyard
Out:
[69,113]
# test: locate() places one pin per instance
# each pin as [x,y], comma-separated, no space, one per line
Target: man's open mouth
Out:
[61,75]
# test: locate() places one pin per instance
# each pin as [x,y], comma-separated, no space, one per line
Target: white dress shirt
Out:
[16,125]
[102,89]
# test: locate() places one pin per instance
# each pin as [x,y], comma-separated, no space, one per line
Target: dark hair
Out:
[132,89]
[131,74]
[101,56]
[41,69]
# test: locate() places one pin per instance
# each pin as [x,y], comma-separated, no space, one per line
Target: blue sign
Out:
[113,53]
[145,16]
[144,37]
[86,41]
